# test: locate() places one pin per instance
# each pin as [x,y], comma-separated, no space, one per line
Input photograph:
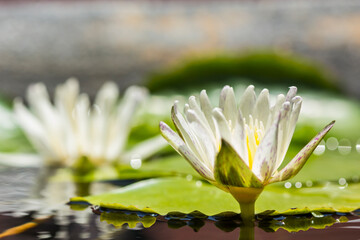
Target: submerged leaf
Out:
[296,224]
[118,219]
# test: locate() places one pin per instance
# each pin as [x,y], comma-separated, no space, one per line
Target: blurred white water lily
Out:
[240,147]
[71,128]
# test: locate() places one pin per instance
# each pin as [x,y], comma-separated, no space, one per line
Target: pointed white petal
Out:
[207,110]
[41,106]
[300,159]
[265,156]
[201,116]
[288,131]
[186,131]
[33,129]
[274,111]
[81,115]
[291,93]
[193,105]
[262,107]
[228,104]
[123,115]
[222,124]
[65,100]
[205,139]
[282,139]
[107,97]
[239,137]
[179,145]
[247,102]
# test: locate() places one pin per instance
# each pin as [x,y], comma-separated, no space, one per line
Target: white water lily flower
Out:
[240,147]
[71,128]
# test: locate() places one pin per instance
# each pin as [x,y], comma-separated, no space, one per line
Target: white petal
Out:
[193,105]
[262,107]
[205,139]
[201,116]
[283,130]
[81,116]
[295,165]
[186,132]
[228,104]
[274,111]
[65,100]
[239,137]
[39,101]
[66,95]
[207,110]
[33,129]
[179,145]
[247,102]
[265,156]
[107,97]
[122,120]
[222,124]
[291,93]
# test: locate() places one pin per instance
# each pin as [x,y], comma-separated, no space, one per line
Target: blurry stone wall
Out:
[123,41]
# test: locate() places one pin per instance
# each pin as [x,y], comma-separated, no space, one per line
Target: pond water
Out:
[39,211]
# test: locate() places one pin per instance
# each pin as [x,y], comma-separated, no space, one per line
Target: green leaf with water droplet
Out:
[180,195]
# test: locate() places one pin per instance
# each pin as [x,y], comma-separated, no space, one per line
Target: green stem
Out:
[247,233]
[248,213]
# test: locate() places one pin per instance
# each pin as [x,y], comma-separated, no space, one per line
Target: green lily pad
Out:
[166,195]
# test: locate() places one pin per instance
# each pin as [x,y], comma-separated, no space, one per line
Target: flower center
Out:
[254,134]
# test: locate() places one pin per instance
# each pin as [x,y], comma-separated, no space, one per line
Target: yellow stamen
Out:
[257,137]
[249,152]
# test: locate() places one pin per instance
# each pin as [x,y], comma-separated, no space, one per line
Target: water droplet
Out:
[344,146]
[198,183]
[332,143]
[135,161]
[287,185]
[342,181]
[309,183]
[44,235]
[189,177]
[358,145]
[320,149]
[298,184]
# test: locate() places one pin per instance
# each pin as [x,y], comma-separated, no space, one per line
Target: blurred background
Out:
[129,41]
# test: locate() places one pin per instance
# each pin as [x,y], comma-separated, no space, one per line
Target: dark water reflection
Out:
[93,228]
[23,204]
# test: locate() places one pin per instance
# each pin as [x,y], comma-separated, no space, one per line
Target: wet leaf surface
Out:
[166,195]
